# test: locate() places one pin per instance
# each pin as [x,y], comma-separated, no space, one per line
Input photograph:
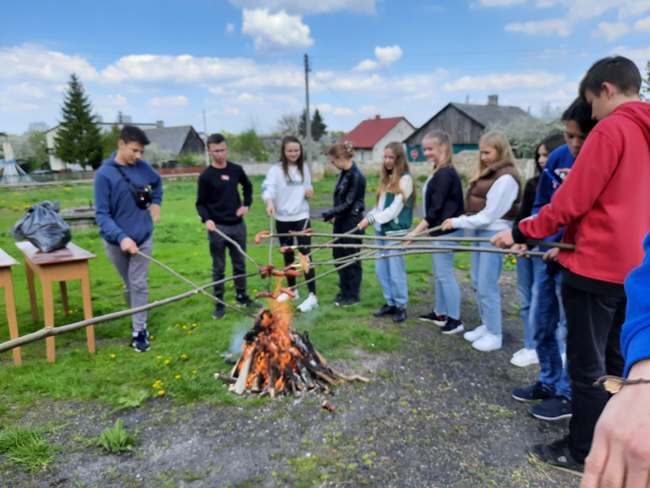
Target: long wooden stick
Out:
[192,284]
[560,245]
[429,249]
[53,331]
[236,244]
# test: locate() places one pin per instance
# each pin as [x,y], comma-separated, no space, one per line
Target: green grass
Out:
[26,447]
[115,439]
[186,342]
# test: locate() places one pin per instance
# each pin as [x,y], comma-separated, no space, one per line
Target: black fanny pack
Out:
[141,194]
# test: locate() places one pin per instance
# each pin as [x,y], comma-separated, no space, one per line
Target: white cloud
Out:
[326,108]
[276,31]
[168,102]
[633,8]
[231,111]
[249,98]
[500,3]
[643,25]
[549,27]
[230,27]
[611,30]
[30,61]
[366,65]
[639,55]
[388,55]
[369,109]
[502,81]
[349,83]
[150,68]
[308,6]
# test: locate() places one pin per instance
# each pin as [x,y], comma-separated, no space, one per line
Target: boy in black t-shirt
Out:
[219,205]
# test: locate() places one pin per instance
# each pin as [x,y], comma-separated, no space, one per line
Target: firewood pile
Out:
[277,360]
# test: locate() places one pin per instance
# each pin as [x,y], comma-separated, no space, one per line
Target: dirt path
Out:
[438,414]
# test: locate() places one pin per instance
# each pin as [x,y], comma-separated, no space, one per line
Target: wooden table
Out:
[6,262]
[70,263]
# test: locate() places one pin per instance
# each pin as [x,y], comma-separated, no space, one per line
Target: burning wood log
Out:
[277,360]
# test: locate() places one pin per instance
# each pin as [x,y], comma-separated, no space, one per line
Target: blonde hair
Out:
[389,182]
[499,142]
[341,150]
[444,139]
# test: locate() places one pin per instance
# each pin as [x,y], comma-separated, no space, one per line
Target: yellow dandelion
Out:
[161,393]
[184,327]
[152,338]
[159,357]
[178,376]
[113,355]
[168,362]
[184,357]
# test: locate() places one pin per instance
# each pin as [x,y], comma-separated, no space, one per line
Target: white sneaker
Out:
[309,304]
[524,357]
[475,334]
[487,342]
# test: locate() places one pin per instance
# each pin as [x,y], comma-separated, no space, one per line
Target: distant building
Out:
[58,165]
[176,140]
[370,137]
[465,123]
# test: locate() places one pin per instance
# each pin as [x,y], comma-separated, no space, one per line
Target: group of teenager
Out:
[588,191]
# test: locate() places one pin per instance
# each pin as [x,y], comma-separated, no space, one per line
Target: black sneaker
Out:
[245,300]
[534,392]
[385,310]
[140,342]
[219,312]
[453,326]
[558,455]
[556,408]
[399,315]
[347,301]
[439,320]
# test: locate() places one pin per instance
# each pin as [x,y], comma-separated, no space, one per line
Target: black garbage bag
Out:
[43,227]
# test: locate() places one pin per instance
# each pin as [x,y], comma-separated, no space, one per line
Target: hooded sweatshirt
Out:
[288,194]
[635,335]
[603,203]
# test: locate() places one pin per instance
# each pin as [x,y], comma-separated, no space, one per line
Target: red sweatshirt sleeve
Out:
[592,170]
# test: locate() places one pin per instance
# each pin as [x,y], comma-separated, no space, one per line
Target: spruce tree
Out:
[78,139]
[318,127]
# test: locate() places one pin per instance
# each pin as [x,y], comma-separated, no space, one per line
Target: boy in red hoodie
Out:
[604,208]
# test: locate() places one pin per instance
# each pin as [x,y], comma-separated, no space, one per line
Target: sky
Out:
[241,61]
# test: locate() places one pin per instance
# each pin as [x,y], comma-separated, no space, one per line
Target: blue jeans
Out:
[550,330]
[446,289]
[485,273]
[528,297]
[391,274]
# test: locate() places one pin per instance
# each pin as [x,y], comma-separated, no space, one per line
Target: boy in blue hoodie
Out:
[128,194]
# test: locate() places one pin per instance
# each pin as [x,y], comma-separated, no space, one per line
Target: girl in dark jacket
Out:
[443,199]
[346,213]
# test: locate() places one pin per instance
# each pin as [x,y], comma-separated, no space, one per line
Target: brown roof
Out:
[369,132]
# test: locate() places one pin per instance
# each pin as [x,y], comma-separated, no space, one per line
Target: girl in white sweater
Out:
[286,190]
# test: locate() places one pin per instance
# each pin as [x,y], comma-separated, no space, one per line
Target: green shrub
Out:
[116,439]
[27,447]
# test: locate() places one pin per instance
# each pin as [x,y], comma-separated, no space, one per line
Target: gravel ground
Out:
[437,414]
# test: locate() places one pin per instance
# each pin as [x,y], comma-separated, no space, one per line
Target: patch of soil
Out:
[437,414]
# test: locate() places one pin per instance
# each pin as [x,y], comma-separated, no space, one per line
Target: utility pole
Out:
[205,132]
[307,113]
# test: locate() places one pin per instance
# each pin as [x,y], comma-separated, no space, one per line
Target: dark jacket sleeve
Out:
[527,201]
[441,182]
[201,193]
[247,187]
[352,187]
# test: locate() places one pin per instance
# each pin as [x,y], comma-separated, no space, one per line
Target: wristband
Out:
[614,384]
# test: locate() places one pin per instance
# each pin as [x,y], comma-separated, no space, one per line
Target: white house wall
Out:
[398,133]
[56,164]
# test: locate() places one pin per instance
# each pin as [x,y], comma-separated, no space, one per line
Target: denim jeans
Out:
[446,289]
[485,273]
[550,330]
[391,274]
[528,299]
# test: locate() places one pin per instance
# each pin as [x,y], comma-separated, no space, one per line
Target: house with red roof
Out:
[370,137]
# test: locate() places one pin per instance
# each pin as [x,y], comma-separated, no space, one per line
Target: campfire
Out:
[277,360]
